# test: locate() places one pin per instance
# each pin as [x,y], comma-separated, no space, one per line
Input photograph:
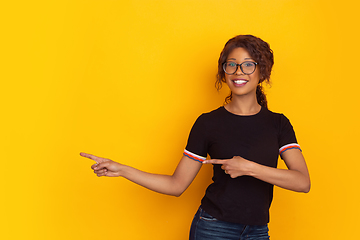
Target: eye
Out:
[248,64]
[231,64]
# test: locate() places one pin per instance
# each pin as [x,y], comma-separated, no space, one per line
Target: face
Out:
[239,83]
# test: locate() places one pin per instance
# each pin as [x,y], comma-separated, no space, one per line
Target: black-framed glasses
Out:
[247,67]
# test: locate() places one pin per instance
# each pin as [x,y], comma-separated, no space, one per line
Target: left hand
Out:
[235,167]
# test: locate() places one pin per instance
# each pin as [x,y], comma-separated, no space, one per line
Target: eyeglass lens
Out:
[246,67]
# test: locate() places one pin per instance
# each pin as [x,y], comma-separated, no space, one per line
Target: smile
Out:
[239,82]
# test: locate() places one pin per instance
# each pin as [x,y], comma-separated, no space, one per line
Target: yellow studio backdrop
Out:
[127,79]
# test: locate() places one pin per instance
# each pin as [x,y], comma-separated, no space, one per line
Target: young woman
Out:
[244,140]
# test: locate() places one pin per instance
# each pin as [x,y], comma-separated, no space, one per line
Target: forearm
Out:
[164,184]
[174,184]
[285,178]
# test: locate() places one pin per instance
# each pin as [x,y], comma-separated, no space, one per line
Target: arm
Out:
[174,184]
[295,178]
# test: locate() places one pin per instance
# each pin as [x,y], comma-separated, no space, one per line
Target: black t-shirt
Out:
[259,138]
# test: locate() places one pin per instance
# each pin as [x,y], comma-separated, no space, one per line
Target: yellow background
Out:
[127,79]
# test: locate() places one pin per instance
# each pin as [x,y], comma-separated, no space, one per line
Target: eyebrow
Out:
[244,59]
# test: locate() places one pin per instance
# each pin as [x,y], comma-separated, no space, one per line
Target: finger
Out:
[101,174]
[101,171]
[101,165]
[92,157]
[214,161]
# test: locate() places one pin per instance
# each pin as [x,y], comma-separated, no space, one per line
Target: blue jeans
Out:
[206,227]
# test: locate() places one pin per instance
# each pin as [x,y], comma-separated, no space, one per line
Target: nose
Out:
[238,71]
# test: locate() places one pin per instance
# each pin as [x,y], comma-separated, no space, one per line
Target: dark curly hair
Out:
[260,51]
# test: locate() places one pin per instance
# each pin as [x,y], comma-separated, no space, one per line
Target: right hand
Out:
[104,166]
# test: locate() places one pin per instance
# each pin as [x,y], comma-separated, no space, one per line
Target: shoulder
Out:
[275,115]
[208,119]
[219,112]
[278,119]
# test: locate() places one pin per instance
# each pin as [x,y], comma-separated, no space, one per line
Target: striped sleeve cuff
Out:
[289,146]
[194,156]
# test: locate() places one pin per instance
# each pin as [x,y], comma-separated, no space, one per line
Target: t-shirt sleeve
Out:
[196,147]
[287,138]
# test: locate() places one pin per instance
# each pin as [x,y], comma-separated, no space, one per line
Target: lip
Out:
[239,82]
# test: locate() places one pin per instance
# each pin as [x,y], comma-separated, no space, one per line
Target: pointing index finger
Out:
[90,156]
[214,161]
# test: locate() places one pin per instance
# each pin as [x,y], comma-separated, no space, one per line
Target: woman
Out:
[243,139]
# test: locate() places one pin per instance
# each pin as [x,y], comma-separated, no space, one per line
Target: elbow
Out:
[304,184]
[305,188]
[178,190]
[177,193]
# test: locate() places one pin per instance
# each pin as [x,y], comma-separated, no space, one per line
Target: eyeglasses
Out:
[246,67]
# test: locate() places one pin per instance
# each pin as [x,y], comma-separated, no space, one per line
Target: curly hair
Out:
[260,51]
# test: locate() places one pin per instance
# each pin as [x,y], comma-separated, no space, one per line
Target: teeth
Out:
[240,81]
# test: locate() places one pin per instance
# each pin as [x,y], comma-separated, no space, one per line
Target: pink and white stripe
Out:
[194,156]
[289,146]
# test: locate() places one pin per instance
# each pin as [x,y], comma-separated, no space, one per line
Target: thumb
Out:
[101,165]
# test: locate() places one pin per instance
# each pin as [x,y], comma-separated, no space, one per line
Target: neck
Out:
[243,106]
